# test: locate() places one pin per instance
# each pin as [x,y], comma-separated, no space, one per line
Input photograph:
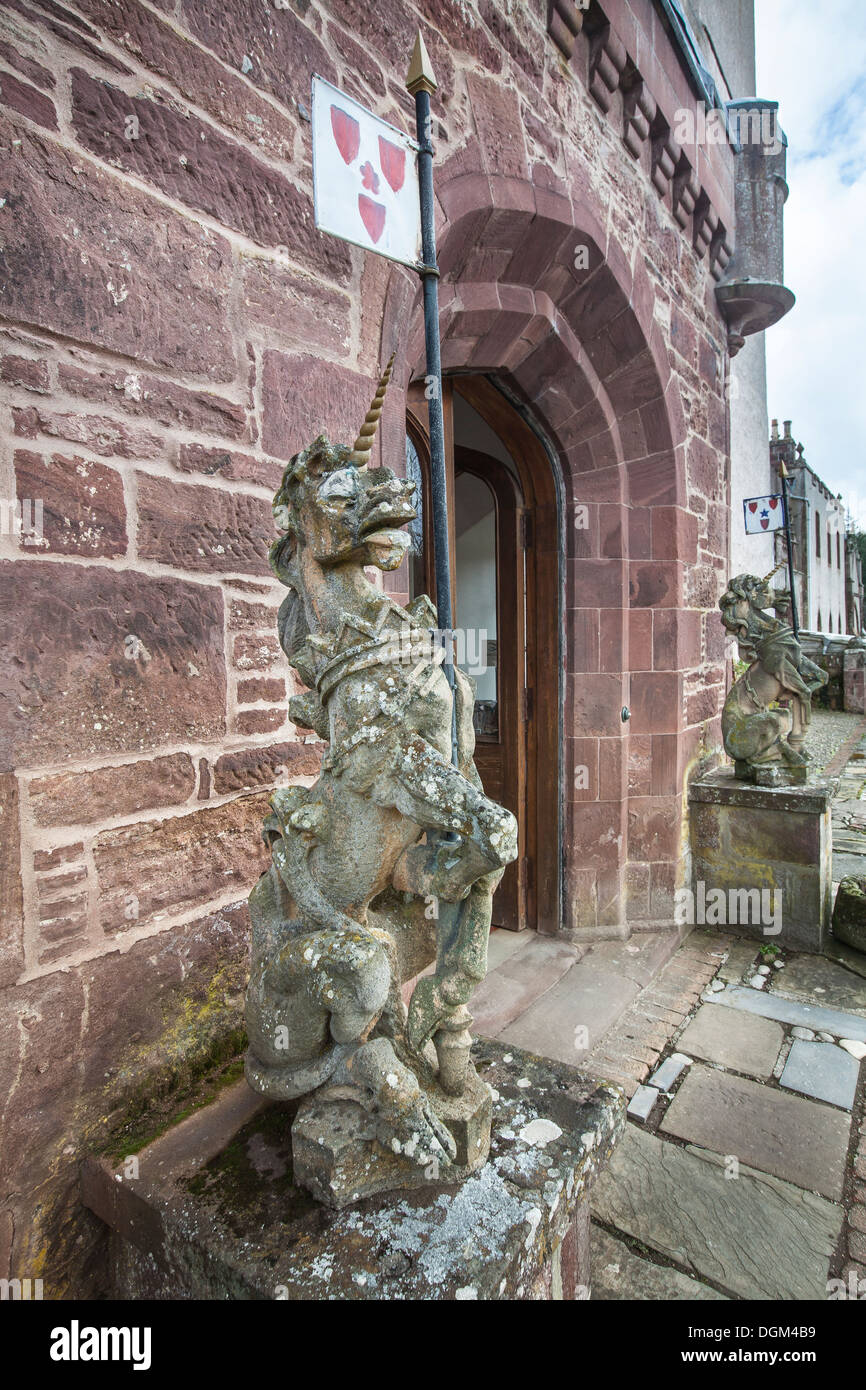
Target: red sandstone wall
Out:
[175,329]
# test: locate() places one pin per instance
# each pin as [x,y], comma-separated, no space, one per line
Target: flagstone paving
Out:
[814,979]
[571,1017]
[745,1043]
[836,1021]
[775,1131]
[822,1070]
[752,1236]
[619,1274]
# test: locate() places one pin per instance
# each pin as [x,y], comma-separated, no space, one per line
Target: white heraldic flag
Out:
[365,177]
[763,514]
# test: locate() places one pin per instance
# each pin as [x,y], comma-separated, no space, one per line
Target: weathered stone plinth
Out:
[773,844]
[214,1212]
[336,1157]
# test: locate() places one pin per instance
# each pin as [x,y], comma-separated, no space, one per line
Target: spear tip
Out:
[420,77]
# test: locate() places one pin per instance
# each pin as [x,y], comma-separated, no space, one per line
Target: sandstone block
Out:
[302,394]
[137,393]
[162,300]
[95,661]
[83,510]
[257,767]
[202,528]
[78,798]
[226,463]
[159,867]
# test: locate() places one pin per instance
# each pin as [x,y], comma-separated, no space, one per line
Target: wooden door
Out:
[519,762]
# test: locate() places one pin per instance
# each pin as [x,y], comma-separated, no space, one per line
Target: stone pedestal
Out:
[336,1157]
[762,858]
[213,1211]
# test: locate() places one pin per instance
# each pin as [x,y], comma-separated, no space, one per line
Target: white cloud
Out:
[811,58]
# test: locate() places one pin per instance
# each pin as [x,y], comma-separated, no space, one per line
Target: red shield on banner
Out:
[372,216]
[753,506]
[393,162]
[347,134]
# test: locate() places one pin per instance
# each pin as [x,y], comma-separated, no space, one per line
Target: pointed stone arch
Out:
[538,295]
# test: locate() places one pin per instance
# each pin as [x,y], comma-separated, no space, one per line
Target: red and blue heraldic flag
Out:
[763,514]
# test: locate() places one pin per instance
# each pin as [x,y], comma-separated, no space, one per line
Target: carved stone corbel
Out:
[564,23]
[685,192]
[638,113]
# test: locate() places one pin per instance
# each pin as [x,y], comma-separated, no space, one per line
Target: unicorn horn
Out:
[363,446]
[767,577]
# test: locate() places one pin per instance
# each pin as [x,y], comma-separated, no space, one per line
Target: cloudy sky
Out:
[812,60]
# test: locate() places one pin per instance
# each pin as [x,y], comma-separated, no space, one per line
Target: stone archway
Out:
[537,296]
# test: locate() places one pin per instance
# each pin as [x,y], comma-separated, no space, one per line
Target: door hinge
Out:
[526,530]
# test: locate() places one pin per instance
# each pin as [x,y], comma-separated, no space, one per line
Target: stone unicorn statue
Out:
[766,743]
[389,860]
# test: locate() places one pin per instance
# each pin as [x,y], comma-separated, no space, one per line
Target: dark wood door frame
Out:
[540,529]
[504,757]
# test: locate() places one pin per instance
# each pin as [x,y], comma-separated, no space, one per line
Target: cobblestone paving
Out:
[828,733]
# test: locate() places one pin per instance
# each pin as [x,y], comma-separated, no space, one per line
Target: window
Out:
[818,542]
[838,553]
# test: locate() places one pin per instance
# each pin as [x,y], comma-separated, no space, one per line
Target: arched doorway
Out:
[506,583]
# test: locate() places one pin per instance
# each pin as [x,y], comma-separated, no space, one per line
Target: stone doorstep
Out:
[594,992]
[214,1213]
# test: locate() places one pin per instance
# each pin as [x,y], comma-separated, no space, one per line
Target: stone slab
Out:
[847,865]
[641,1104]
[234,1225]
[721,788]
[816,980]
[640,958]
[619,1274]
[822,1070]
[503,944]
[841,1025]
[586,998]
[665,1075]
[678,1202]
[847,956]
[741,954]
[517,982]
[744,1042]
[771,1130]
